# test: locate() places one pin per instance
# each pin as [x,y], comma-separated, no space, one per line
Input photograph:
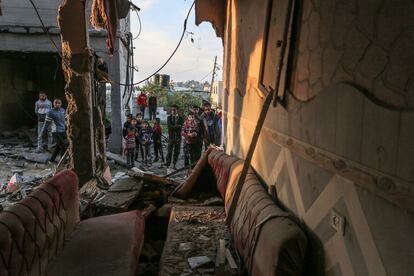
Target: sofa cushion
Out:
[108,245]
[268,240]
[221,165]
[33,230]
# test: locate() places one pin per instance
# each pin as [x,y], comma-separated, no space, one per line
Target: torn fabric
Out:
[106,15]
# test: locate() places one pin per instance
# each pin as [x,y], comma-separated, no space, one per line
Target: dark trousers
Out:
[173,146]
[152,113]
[130,154]
[158,150]
[146,151]
[138,150]
[61,145]
[192,153]
[142,108]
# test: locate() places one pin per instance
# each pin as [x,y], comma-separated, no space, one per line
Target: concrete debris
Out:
[199,261]
[185,246]
[36,157]
[203,238]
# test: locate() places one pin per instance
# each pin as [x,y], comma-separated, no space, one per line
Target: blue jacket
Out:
[58,116]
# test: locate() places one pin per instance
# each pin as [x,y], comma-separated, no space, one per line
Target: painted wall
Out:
[344,143]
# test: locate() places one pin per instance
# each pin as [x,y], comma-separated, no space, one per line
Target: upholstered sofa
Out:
[269,241]
[42,235]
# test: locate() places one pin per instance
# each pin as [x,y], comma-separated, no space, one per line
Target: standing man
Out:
[142,103]
[57,115]
[152,105]
[199,120]
[175,124]
[211,129]
[42,107]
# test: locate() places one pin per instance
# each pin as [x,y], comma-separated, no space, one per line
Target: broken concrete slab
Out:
[126,184]
[117,158]
[120,196]
[199,261]
[36,157]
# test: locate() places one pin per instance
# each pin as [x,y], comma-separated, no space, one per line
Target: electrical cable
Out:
[206,76]
[108,79]
[140,24]
[169,58]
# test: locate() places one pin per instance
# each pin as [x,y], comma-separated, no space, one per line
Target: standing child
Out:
[145,137]
[157,135]
[129,147]
[190,132]
[139,146]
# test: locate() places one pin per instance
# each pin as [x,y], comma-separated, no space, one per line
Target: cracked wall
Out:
[367,43]
[344,141]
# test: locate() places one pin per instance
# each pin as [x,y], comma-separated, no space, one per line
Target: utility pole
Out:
[212,77]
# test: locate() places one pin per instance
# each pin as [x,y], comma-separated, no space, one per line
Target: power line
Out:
[172,54]
[108,79]
[140,24]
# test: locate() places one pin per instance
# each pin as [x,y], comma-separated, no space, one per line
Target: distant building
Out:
[217,93]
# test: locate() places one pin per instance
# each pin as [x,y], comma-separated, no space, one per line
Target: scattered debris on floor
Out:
[21,168]
[198,243]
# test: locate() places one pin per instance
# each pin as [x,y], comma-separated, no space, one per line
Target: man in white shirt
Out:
[42,107]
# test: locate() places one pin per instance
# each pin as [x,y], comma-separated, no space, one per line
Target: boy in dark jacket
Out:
[129,147]
[145,137]
[157,136]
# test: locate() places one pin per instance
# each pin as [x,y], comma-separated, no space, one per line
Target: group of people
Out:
[139,135]
[201,126]
[143,101]
[51,126]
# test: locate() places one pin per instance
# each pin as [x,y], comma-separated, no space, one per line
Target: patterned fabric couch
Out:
[269,241]
[42,235]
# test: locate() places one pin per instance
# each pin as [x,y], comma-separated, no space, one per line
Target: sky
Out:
[162,26]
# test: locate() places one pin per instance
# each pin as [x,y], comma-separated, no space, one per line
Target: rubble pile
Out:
[198,243]
[21,168]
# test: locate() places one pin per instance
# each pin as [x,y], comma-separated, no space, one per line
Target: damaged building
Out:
[30,62]
[315,176]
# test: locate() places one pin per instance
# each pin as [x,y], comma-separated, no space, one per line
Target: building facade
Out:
[29,62]
[339,144]
[217,94]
